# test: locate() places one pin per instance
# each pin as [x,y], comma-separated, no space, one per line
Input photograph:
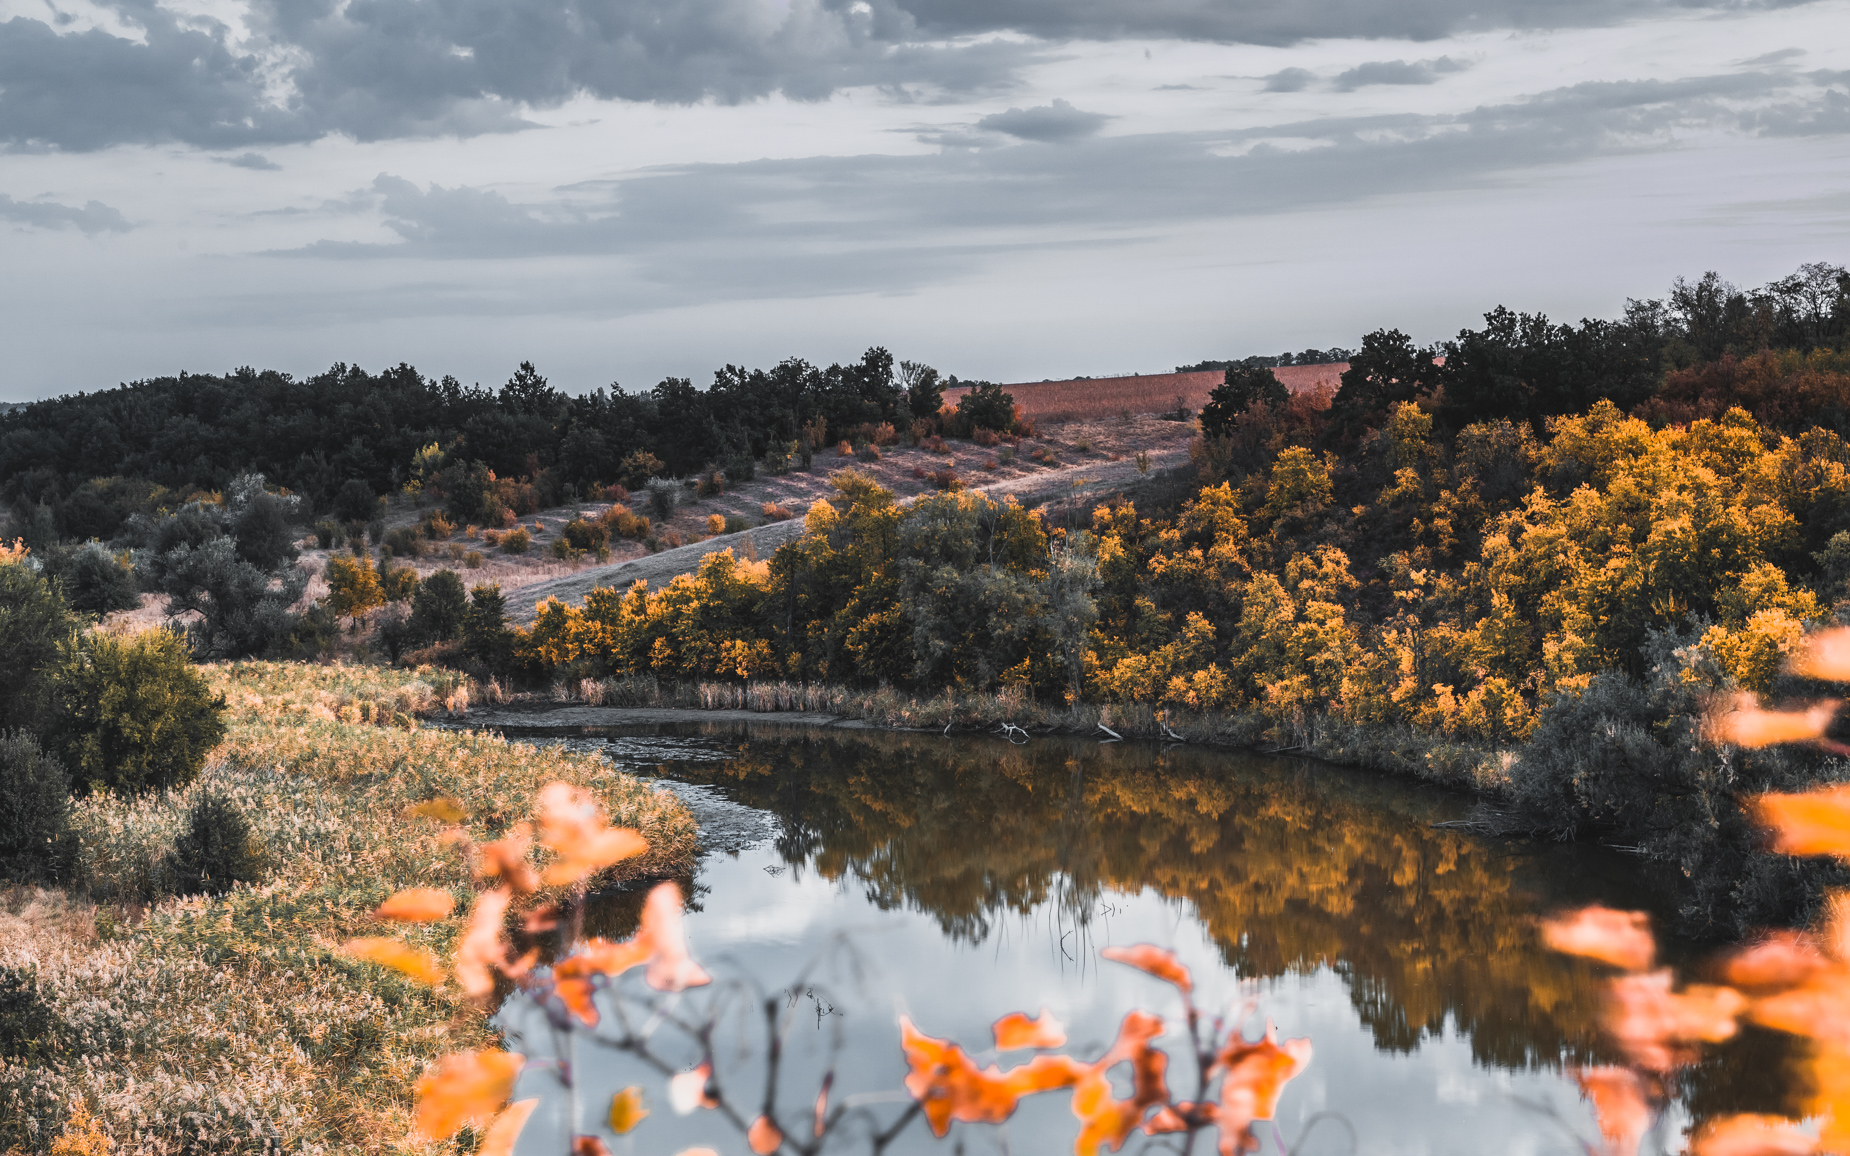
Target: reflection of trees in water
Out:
[1291,867]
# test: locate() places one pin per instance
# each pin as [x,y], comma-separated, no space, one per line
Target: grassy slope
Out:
[217,1024]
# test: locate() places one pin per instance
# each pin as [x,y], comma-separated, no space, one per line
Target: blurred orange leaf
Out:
[1752,1135]
[1103,1118]
[948,1085]
[1619,1104]
[670,966]
[483,948]
[626,1110]
[1158,961]
[572,826]
[442,808]
[822,1102]
[1809,823]
[688,1090]
[506,857]
[501,1135]
[402,957]
[589,1146]
[1784,959]
[463,1088]
[1658,1028]
[1825,655]
[1264,1066]
[1621,938]
[764,1136]
[1820,1008]
[1746,725]
[417,905]
[1016,1030]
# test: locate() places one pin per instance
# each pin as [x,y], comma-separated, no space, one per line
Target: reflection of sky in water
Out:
[763,917]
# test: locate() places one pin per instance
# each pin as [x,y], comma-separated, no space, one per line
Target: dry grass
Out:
[1097,397]
[230,1024]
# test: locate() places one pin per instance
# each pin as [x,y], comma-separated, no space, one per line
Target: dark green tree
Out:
[35,621]
[439,608]
[35,812]
[1243,387]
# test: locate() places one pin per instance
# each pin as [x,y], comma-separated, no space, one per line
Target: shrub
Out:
[922,428]
[1083,445]
[919,472]
[456,550]
[987,406]
[353,586]
[586,535]
[34,621]
[439,607]
[96,583]
[28,1026]
[405,542]
[626,524]
[436,527]
[491,537]
[984,436]
[776,512]
[354,501]
[216,851]
[710,485]
[869,453]
[516,541]
[375,531]
[328,534]
[240,611]
[261,529]
[716,523]
[486,638]
[313,635]
[132,714]
[935,444]
[1005,455]
[35,813]
[946,480]
[735,524]
[638,467]
[990,464]
[398,583]
[473,559]
[662,500]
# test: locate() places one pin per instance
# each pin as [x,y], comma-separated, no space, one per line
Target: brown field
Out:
[1094,397]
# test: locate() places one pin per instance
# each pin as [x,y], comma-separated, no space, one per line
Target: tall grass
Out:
[230,1024]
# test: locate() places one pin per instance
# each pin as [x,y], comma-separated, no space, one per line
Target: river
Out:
[852,876]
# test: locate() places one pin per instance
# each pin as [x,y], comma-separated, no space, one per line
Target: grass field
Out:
[1095,397]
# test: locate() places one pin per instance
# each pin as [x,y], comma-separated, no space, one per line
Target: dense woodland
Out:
[1561,542]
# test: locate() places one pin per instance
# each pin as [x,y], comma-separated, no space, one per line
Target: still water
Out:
[849,877]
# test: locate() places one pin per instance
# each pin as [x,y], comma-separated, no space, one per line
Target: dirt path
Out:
[1075,482]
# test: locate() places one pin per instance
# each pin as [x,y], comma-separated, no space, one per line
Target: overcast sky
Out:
[621,190]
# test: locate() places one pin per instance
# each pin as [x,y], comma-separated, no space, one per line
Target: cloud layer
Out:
[94,217]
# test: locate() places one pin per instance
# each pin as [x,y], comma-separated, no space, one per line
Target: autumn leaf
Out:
[1621,938]
[572,826]
[1016,1030]
[1752,1135]
[670,966]
[626,1110]
[1747,725]
[1253,1077]
[1158,961]
[589,1146]
[764,1136]
[501,1135]
[464,1088]
[1103,1118]
[397,955]
[1619,1105]
[442,808]
[1808,823]
[948,1085]
[417,905]
[506,859]
[1824,655]
[1658,1028]
[1782,960]
[483,948]
[688,1090]
[1819,1008]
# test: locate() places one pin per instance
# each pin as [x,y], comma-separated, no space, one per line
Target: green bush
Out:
[405,542]
[216,850]
[328,534]
[398,583]
[354,502]
[132,714]
[95,583]
[516,541]
[438,607]
[35,812]
[586,535]
[35,621]
[28,1026]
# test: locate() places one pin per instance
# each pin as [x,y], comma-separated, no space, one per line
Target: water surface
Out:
[850,876]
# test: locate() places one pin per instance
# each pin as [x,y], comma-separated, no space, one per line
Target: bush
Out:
[35,621]
[438,608]
[626,524]
[436,527]
[328,534]
[216,851]
[987,406]
[398,583]
[473,560]
[261,530]
[405,542]
[95,583]
[983,436]
[35,813]
[132,714]
[586,535]
[716,523]
[516,541]
[736,524]
[710,485]
[662,500]
[354,501]
[353,586]
[375,531]
[486,638]
[638,467]
[29,1029]
[776,512]
[868,453]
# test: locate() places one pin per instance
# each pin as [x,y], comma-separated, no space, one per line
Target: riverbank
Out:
[638,701]
[231,1022]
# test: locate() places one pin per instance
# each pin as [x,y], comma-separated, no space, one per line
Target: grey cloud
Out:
[256,161]
[1396,72]
[95,217]
[1290,80]
[822,225]
[1828,117]
[1058,121]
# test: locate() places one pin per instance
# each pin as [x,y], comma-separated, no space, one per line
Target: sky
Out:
[624,190]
